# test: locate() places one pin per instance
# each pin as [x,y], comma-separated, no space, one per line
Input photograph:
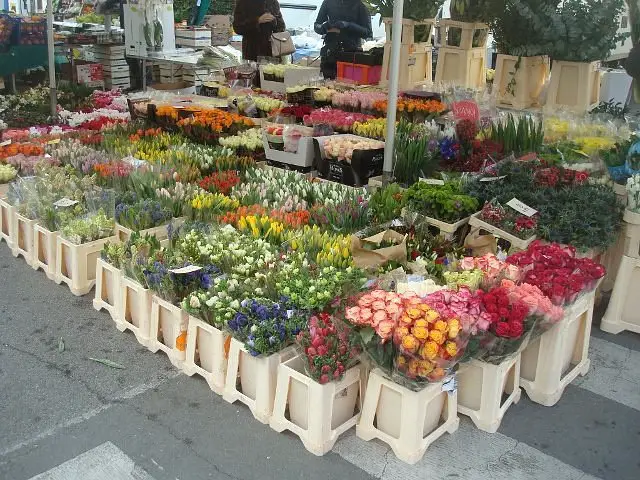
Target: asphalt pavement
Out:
[64,416]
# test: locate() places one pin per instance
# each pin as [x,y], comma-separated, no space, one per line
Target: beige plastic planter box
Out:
[206,353]
[407,421]
[481,389]
[108,289]
[408,30]
[416,66]
[316,413]
[518,81]
[76,265]
[467,32]
[466,68]
[574,86]
[623,312]
[516,243]
[632,234]
[252,380]
[124,233]
[45,251]
[135,310]
[23,244]
[7,212]
[168,330]
[557,357]
[4,189]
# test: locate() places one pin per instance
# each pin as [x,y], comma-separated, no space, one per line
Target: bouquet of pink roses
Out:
[373,316]
[493,269]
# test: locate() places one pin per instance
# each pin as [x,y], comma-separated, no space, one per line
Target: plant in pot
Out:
[524,32]
[472,12]
[417,10]
[589,31]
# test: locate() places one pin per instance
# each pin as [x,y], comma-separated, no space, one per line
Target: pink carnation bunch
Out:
[464,305]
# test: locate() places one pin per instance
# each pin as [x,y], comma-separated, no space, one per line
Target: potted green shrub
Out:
[524,32]
[589,31]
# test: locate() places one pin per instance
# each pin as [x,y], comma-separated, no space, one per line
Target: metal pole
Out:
[52,60]
[392,101]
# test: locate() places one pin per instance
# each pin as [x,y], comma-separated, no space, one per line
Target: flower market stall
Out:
[250,239]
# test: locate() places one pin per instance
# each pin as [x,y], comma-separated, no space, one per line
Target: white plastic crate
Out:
[557,357]
[252,380]
[409,422]
[168,330]
[316,413]
[23,244]
[623,311]
[108,293]
[76,264]
[44,251]
[481,387]
[135,310]
[206,353]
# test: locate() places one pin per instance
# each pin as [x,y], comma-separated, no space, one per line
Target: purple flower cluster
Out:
[266,327]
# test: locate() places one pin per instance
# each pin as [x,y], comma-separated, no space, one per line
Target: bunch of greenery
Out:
[524,27]
[522,135]
[470,10]
[590,30]
[446,203]
[518,182]
[386,203]
[414,155]
[562,216]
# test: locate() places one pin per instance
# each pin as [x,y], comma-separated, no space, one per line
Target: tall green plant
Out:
[522,135]
[590,30]
[413,9]
[470,10]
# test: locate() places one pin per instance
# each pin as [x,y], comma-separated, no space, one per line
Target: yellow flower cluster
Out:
[213,203]
[261,227]
[425,341]
[592,145]
[328,249]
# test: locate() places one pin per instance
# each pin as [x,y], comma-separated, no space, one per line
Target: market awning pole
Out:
[392,101]
[52,60]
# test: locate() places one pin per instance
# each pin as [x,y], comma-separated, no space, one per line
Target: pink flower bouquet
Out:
[493,269]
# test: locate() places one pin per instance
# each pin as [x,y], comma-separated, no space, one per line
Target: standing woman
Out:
[344,23]
[256,20]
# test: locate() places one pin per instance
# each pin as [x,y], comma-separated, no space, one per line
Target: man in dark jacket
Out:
[344,23]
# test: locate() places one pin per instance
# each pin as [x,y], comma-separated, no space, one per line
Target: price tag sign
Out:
[65,202]
[492,179]
[523,208]
[187,269]
[397,223]
[5,143]
[466,110]
[432,181]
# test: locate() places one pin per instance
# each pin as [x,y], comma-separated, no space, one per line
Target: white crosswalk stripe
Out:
[468,454]
[105,462]
[613,373]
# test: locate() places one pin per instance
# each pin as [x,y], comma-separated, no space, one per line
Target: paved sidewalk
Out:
[64,416]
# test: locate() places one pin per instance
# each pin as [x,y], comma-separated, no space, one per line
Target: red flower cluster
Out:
[483,152]
[327,349]
[220,182]
[297,111]
[560,177]
[507,317]
[98,123]
[524,223]
[555,270]
[466,130]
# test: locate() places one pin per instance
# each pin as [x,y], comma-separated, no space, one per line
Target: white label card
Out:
[65,202]
[187,269]
[524,209]
[5,143]
[492,179]
[432,181]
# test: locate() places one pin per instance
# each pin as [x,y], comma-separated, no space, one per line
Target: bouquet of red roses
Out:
[511,323]
[556,270]
[327,349]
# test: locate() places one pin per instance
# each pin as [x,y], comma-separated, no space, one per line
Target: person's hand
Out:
[266,18]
